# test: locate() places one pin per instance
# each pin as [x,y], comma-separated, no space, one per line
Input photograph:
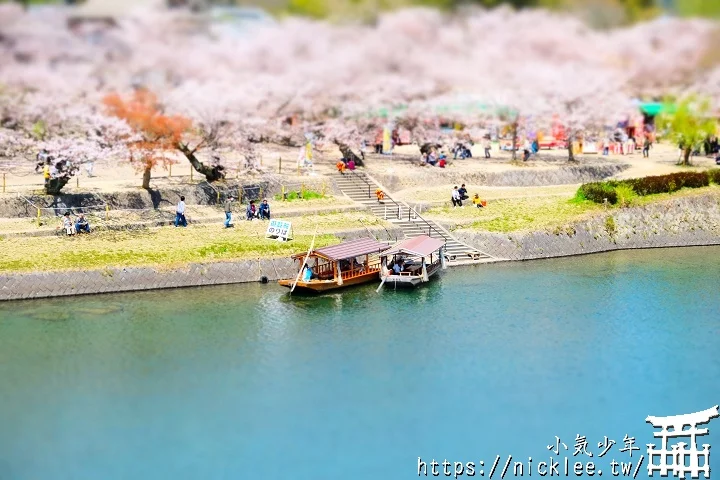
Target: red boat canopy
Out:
[351,249]
[421,246]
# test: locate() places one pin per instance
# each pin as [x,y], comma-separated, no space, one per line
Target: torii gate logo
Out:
[681,460]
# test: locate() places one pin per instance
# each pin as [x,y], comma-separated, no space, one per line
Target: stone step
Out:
[354,187]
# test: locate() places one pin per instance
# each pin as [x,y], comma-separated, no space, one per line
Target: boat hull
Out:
[410,281]
[319,286]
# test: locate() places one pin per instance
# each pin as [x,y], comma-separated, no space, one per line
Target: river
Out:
[244,382]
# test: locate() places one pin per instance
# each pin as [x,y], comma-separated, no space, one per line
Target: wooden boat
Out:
[420,258]
[329,268]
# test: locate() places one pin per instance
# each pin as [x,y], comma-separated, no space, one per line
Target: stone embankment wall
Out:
[680,222]
[530,176]
[12,206]
[124,279]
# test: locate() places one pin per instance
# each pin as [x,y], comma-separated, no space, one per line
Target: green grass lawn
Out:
[528,214]
[169,247]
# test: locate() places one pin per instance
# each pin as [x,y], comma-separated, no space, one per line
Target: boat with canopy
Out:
[412,261]
[337,266]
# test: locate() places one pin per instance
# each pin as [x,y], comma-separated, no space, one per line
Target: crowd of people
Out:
[55,168]
[458,195]
[252,211]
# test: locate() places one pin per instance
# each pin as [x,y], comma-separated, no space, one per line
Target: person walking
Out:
[486,146]
[646,147]
[180,213]
[228,212]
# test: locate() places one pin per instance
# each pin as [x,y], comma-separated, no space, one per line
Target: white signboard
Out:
[279,229]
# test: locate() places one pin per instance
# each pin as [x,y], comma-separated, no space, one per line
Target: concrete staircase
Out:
[361,188]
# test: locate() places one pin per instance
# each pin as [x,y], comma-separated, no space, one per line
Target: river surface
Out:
[243,382]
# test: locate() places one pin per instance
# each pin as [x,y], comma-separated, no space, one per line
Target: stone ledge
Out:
[683,221]
[18,286]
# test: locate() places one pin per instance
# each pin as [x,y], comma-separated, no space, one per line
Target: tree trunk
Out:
[514,139]
[54,185]
[348,153]
[571,154]
[687,151]
[146,178]
[212,173]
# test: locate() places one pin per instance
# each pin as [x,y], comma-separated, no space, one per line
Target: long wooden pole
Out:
[312,244]
[381,284]
[383,278]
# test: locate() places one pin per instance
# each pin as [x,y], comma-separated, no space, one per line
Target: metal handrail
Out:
[386,196]
[355,175]
[412,213]
[417,215]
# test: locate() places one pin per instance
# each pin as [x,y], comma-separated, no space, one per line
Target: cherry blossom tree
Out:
[235,91]
[157,134]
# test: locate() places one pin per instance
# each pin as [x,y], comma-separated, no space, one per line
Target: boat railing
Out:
[360,270]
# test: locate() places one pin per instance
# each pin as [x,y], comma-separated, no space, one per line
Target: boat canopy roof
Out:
[421,246]
[351,249]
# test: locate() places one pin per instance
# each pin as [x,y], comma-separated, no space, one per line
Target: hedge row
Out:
[598,192]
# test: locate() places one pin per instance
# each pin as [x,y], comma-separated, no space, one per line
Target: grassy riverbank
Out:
[539,213]
[168,247]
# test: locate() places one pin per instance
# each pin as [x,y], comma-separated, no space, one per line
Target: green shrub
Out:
[625,195]
[299,195]
[668,183]
[714,175]
[624,190]
[598,191]
[610,227]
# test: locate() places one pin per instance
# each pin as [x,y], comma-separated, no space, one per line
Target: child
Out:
[477,202]
[68,225]
[250,212]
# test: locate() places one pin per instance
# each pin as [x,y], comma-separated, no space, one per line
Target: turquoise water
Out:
[243,382]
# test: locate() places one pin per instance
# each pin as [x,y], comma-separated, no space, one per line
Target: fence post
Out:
[324,185]
[107,211]
[170,171]
[77,181]
[191,172]
[302,190]
[282,192]
[261,193]
[280,165]
[3,183]
[218,196]
[38,217]
[261,160]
